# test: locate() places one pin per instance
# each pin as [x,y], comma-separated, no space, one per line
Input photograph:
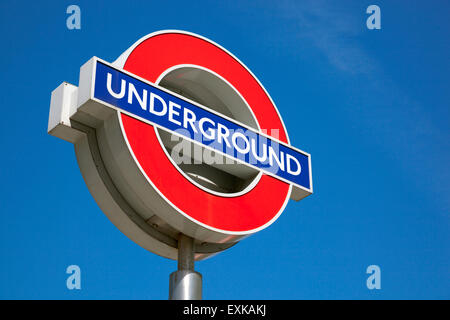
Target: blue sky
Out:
[371,106]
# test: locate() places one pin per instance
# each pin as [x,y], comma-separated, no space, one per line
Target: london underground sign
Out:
[178,136]
[161,108]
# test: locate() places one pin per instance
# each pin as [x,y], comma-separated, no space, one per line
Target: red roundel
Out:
[240,214]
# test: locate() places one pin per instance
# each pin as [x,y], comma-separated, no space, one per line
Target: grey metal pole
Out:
[185,283]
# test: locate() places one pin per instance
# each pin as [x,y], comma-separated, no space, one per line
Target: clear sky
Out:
[370,106]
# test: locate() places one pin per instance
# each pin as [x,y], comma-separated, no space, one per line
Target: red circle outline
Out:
[243,213]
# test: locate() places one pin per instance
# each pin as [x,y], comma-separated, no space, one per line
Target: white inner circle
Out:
[204,168]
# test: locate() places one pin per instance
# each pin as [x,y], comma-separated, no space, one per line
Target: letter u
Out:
[255,150]
[119,95]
